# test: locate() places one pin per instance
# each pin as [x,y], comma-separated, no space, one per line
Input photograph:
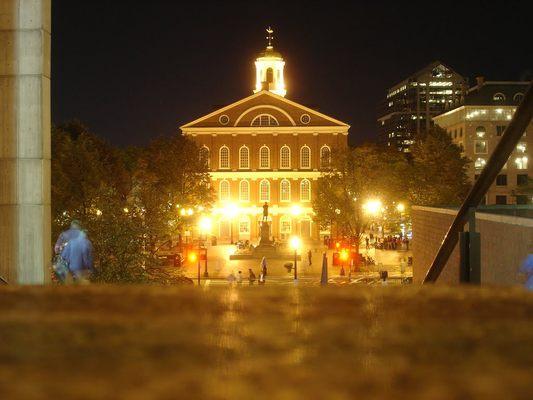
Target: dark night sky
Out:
[134,70]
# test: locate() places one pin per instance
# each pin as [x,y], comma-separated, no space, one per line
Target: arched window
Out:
[325,156]
[264,120]
[498,97]
[204,156]
[244,157]
[269,75]
[224,190]
[480,131]
[223,157]
[305,157]
[285,157]
[518,97]
[264,190]
[285,190]
[480,163]
[264,157]
[305,190]
[244,190]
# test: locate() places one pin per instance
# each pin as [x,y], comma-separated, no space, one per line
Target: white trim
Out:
[254,175]
[281,190]
[258,115]
[268,93]
[269,130]
[248,156]
[220,157]
[268,150]
[301,158]
[280,157]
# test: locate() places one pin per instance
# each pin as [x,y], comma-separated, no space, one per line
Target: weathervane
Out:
[270,31]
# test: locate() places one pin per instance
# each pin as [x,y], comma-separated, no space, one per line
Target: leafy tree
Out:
[353,177]
[438,170]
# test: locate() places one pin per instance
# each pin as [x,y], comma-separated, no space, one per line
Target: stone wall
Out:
[505,243]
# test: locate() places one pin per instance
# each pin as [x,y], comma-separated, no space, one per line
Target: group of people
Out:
[232,278]
[73,255]
[389,242]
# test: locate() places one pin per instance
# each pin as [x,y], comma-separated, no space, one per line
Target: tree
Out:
[438,170]
[354,177]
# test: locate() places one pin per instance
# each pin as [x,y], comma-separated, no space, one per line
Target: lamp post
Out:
[204,226]
[295,244]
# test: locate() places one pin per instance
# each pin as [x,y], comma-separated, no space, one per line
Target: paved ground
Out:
[272,342]
[220,266]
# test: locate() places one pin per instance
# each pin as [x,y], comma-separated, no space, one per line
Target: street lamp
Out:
[204,226]
[295,244]
[343,256]
[400,207]
[373,207]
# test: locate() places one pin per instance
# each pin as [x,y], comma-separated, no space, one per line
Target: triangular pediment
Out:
[243,113]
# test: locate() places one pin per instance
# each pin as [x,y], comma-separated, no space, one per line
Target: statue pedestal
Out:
[265,234]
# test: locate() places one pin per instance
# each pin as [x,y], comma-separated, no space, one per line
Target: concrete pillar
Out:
[25,246]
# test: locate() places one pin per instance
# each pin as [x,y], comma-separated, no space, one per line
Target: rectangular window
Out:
[501,200]
[500,129]
[521,179]
[244,227]
[480,147]
[521,162]
[521,199]
[501,180]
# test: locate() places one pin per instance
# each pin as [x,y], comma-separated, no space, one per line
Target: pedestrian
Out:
[310,257]
[367,241]
[251,276]
[231,278]
[264,266]
[239,277]
[261,280]
[406,243]
[78,254]
[527,269]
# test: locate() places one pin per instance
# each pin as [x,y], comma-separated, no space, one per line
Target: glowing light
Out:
[190,211]
[373,207]
[205,225]
[296,210]
[343,254]
[295,242]
[193,257]
[231,210]
[400,207]
[183,212]
[126,209]
[98,212]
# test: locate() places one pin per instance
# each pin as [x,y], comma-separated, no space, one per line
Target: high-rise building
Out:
[262,149]
[411,104]
[477,126]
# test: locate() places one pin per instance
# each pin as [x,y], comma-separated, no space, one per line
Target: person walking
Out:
[78,254]
[239,277]
[251,276]
[310,257]
[264,267]
[367,241]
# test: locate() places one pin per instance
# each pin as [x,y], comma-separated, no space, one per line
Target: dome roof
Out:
[269,52]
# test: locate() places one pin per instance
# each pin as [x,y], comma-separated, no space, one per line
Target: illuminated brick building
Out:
[266,148]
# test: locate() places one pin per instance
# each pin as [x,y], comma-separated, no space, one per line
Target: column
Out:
[25,245]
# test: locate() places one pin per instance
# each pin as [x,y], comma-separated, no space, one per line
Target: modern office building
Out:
[477,126]
[411,104]
[266,149]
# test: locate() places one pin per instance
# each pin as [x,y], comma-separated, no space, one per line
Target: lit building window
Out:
[244,190]
[305,190]
[285,157]
[223,157]
[521,147]
[480,163]
[480,131]
[285,190]
[498,97]
[224,190]
[264,157]
[305,157]
[244,226]
[521,162]
[325,156]
[264,120]
[244,157]
[264,190]
[480,147]
[204,156]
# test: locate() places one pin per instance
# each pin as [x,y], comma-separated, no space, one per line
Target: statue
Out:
[265,212]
